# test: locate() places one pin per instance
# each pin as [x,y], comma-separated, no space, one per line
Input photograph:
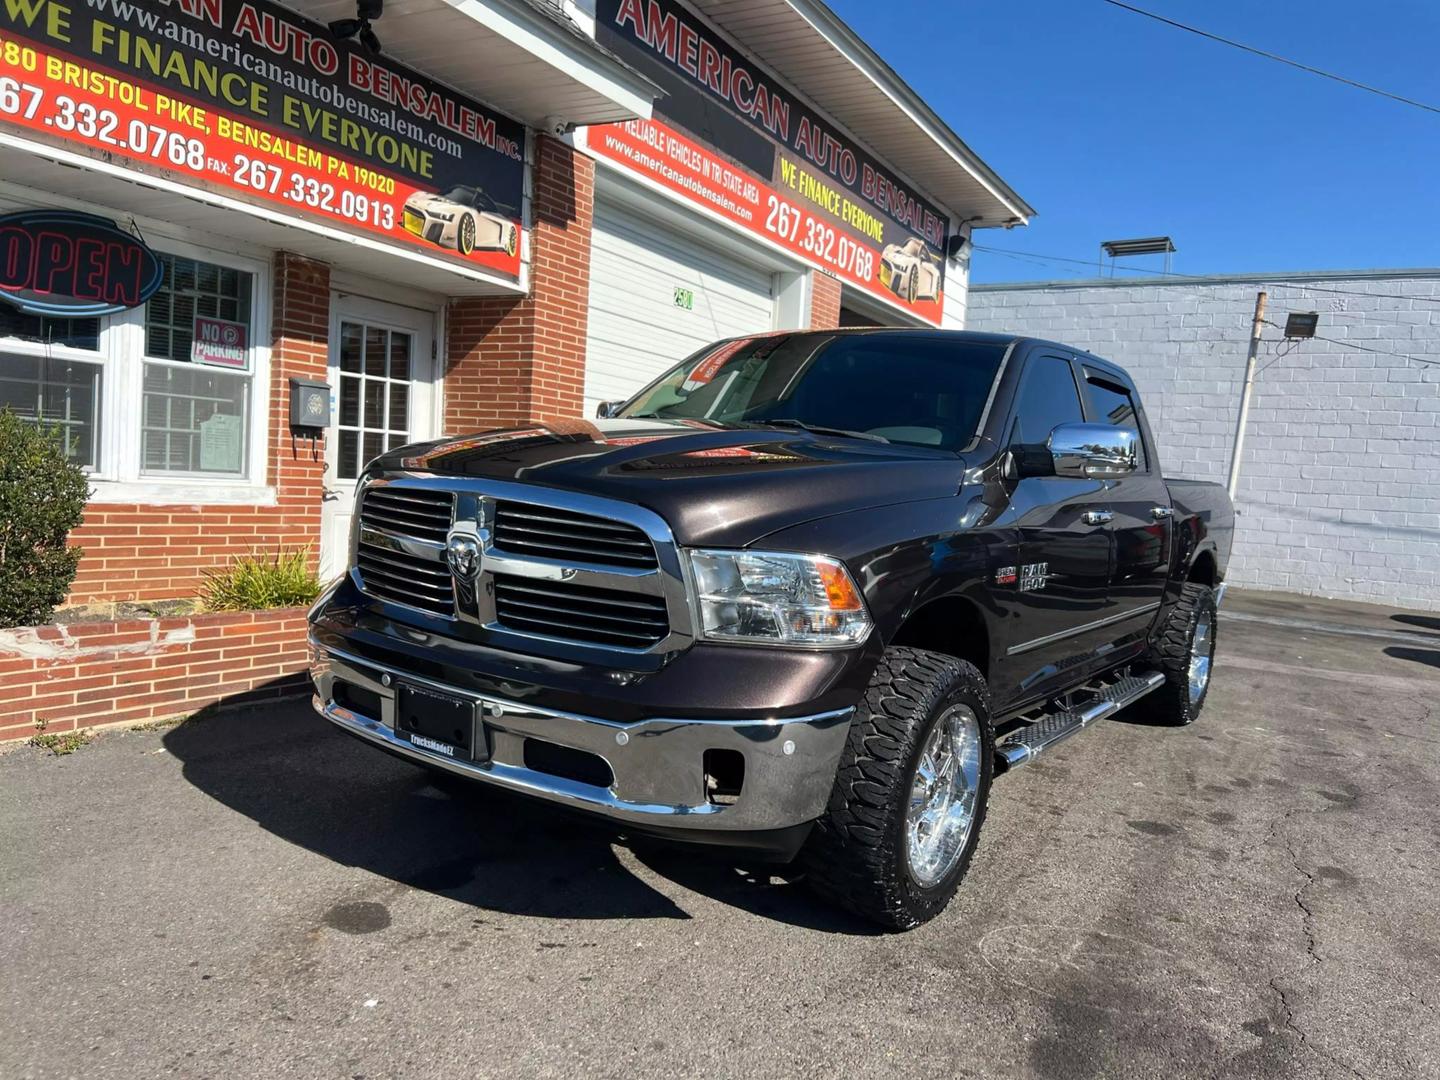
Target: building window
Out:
[48,330]
[196,416]
[63,395]
[193,289]
[194,421]
[162,393]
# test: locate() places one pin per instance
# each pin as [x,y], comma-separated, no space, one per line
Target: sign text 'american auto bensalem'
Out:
[250,99]
[729,135]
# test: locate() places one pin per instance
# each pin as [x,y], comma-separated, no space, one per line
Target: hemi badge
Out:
[1006,575]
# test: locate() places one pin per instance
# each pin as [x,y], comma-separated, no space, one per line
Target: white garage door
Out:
[638,328]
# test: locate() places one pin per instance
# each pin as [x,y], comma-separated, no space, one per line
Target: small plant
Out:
[255,581]
[42,497]
[61,744]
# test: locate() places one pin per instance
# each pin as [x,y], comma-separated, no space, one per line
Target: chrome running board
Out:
[1026,744]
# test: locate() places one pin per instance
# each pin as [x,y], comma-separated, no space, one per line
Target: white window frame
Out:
[98,358]
[119,477]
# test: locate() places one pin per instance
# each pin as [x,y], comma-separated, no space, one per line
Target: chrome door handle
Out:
[1159,513]
[1097,517]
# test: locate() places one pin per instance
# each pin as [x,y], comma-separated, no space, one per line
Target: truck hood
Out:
[714,485]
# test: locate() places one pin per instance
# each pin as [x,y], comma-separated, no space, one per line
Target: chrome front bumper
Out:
[657,764]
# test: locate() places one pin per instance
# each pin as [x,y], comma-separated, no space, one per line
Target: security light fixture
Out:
[359,27]
[1301,324]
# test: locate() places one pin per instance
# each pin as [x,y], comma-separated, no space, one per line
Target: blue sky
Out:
[1112,125]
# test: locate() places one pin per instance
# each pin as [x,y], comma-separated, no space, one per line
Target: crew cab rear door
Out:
[1139,505]
[1053,593]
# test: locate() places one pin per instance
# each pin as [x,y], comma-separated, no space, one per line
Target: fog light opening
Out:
[724,776]
[568,763]
[357,699]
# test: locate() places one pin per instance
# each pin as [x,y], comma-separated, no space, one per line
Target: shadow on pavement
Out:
[297,777]
[1429,657]
[1425,622]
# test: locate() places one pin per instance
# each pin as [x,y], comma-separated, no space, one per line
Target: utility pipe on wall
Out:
[1245,395]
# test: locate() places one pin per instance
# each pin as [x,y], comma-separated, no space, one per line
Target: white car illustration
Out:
[463,218]
[909,271]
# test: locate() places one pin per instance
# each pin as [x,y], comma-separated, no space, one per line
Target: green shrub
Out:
[256,581]
[42,497]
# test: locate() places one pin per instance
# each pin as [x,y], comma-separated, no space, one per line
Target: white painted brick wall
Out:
[1340,485]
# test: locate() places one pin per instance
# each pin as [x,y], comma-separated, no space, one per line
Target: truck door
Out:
[1140,521]
[1055,589]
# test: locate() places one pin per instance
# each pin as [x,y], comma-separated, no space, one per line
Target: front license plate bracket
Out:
[444,724]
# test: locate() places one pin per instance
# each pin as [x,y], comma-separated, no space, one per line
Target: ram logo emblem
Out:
[462,552]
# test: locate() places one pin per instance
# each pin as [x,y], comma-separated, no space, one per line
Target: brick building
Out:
[1338,493]
[519,209]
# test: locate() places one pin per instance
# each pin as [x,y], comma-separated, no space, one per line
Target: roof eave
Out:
[841,37]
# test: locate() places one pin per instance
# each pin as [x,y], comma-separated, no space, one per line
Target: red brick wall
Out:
[155,552]
[824,301]
[511,359]
[114,672]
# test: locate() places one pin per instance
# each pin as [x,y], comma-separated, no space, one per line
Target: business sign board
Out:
[246,98]
[732,138]
[59,262]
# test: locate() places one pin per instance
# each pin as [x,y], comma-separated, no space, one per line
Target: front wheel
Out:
[910,794]
[1184,651]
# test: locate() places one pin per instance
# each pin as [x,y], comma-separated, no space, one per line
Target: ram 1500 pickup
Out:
[803,596]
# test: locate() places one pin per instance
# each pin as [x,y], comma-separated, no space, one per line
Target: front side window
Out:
[196,397]
[1047,399]
[914,390]
[1112,404]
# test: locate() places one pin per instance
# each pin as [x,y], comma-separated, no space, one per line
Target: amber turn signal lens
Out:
[838,587]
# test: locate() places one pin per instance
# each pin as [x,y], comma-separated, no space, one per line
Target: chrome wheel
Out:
[1202,650]
[943,796]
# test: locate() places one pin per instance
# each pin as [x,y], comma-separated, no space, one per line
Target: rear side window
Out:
[1047,399]
[1111,403]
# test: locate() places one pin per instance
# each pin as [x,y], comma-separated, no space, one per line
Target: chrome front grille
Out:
[550,533]
[524,568]
[417,512]
[563,610]
[400,554]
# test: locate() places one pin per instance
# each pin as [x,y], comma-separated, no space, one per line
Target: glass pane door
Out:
[375,394]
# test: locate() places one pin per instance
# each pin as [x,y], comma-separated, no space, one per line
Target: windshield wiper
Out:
[818,429]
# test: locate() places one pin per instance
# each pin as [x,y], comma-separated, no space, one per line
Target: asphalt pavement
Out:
[256,895]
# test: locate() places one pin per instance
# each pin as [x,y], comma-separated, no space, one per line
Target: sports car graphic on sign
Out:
[463,218]
[909,271]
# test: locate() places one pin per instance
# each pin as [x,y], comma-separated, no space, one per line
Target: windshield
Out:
[469,196]
[923,391]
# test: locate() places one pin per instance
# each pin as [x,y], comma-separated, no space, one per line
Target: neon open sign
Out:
[61,262]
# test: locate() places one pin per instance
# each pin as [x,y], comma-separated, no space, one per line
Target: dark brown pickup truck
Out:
[803,596]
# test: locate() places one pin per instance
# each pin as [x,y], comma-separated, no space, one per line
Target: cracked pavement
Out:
[1254,896]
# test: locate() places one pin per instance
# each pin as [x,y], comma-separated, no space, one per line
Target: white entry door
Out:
[382,380]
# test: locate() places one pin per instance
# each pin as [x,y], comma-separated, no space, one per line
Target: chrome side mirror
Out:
[607,409]
[1094,451]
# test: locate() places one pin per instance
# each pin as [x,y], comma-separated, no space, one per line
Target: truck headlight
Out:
[776,596]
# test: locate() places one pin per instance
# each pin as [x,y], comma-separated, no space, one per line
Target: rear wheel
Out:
[1184,652]
[910,794]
